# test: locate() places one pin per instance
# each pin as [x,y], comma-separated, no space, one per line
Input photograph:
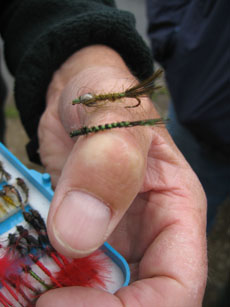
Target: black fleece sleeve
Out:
[39,35]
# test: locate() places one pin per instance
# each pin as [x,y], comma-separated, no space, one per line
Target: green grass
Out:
[11,111]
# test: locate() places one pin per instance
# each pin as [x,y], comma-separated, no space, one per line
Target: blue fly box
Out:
[40,196]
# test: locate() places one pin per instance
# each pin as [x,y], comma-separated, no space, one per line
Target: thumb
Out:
[100,179]
[103,172]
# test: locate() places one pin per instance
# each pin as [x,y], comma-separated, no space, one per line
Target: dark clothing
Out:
[191,40]
[39,35]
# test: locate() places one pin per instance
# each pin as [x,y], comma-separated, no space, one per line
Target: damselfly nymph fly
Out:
[4,175]
[144,88]
[123,124]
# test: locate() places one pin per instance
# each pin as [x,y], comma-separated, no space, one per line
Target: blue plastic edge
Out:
[119,260]
[43,183]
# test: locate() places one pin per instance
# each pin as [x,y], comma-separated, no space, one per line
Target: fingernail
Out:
[81,222]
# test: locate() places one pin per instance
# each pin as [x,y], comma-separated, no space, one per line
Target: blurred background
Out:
[219,239]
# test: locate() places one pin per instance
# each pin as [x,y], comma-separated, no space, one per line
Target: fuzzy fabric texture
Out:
[39,35]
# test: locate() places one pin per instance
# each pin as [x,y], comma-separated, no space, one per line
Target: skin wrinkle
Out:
[152,217]
[142,211]
[141,293]
[151,214]
[146,236]
[155,173]
[171,153]
[193,292]
[166,244]
[156,166]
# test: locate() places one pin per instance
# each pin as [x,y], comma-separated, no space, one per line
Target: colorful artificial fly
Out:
[144,88]
[4,175]
[25,191]
[25,275]
[10,200]
[29,265]
[123,124]
[13,197]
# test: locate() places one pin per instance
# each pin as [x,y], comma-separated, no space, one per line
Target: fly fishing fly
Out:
[144,88]
[123,124]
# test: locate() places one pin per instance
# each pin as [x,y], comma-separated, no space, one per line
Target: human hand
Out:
[130,187]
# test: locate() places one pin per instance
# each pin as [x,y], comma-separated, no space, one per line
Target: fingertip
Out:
[80,223]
